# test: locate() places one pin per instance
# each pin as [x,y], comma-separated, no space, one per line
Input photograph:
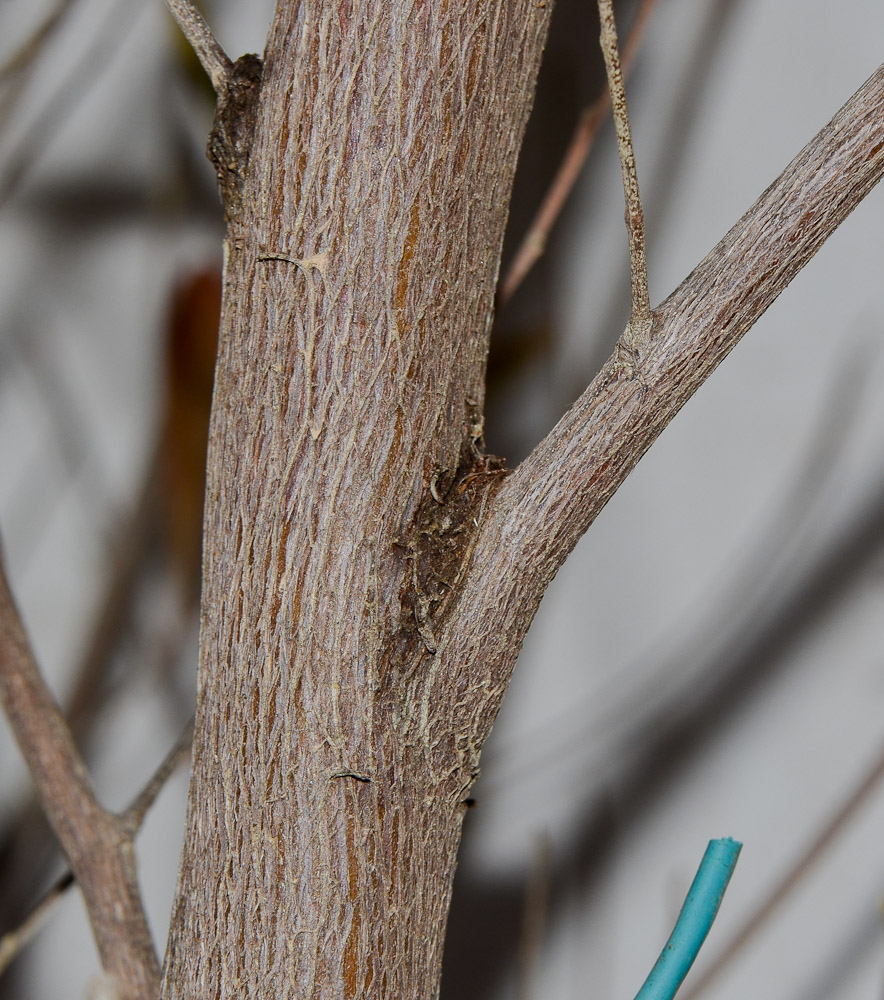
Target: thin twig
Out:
[640,318]
[755,921]
[133,817]
[533,244]
[12,942]
[97,846]
[196,30]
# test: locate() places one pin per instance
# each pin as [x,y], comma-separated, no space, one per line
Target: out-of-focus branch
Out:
[132,819]
[640,317]
[14,73]
[14,941]
[196,30]
[28,51]
[96,843]
[69,92]
[534,242]
[534,920]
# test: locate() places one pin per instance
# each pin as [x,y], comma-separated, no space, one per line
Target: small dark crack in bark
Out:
[230,141]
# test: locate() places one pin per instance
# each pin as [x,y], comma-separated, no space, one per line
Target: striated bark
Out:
[366,214]
[547,504]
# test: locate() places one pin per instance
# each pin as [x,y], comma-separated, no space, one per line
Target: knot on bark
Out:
[233,131]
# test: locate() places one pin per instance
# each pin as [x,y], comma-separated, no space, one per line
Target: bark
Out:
[366,213]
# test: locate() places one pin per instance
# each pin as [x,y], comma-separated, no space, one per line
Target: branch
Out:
[560,488]
[196,30]
[534,242]
[84,75]
[545,506]
[535,917]
[97,845]
[12,942]
[640,318]
[133,817]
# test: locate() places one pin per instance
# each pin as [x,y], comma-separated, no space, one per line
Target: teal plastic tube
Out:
[699,910]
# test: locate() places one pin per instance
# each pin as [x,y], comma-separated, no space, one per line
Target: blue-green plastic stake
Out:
[699,910]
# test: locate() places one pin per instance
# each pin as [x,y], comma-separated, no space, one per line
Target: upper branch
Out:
[546,505]
[559,489]
[196,30]
[95,842]
[640,318]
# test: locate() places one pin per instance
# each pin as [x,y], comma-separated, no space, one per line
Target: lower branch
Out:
[96,843]
[132,819]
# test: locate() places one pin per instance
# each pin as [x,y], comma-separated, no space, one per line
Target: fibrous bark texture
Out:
[346,484]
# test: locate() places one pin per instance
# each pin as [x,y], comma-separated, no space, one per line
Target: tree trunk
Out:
[366,179]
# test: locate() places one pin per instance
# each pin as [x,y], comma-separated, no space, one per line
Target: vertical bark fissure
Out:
[363,247]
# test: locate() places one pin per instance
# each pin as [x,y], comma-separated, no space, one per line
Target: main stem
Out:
[366,216]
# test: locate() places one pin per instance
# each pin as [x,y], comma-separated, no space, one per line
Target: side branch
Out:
[12,942]
[545,506]
[640,317]
[196,30]
[533,244]
[556,493]
[98,847]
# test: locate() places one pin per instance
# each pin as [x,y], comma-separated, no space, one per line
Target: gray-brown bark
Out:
[547,504]
[328,781]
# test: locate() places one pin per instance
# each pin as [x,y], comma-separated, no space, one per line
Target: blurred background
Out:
[708,662]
